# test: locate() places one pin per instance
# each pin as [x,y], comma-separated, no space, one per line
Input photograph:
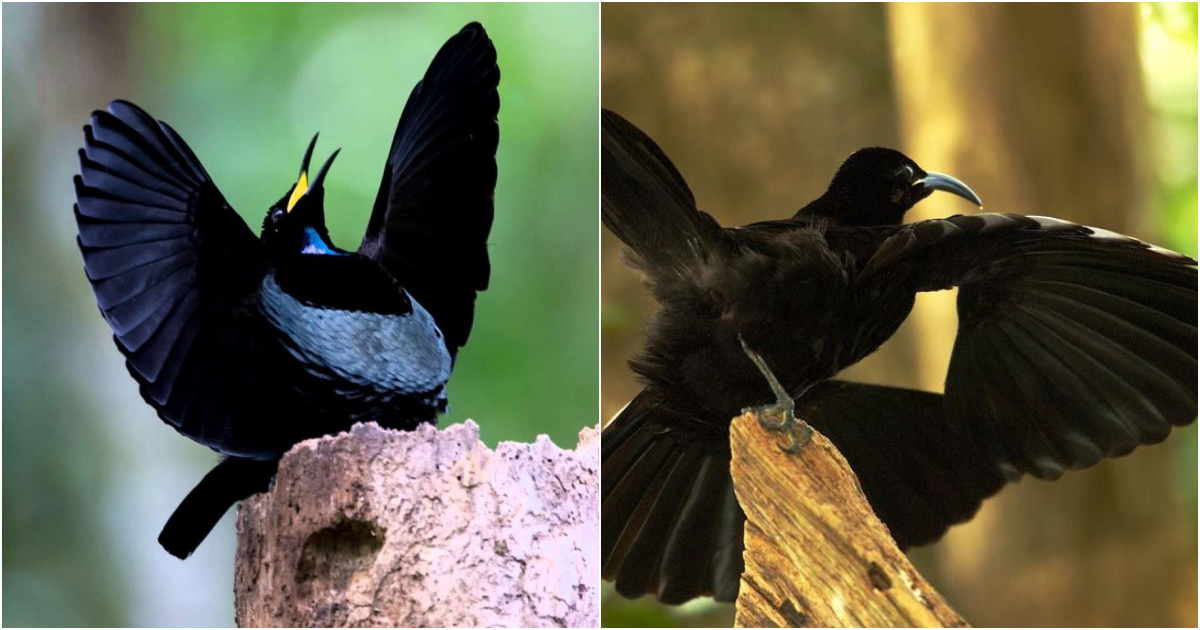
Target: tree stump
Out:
[426,528]
[816,554]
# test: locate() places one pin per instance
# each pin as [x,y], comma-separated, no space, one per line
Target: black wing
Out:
[434,209]
[646,203]
[1074,343]
[167,258]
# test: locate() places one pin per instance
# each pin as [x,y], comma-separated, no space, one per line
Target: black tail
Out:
[670,523]
[231,481]
[646,203]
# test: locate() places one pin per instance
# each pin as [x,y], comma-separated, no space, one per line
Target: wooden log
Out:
[425,528]
[816,555]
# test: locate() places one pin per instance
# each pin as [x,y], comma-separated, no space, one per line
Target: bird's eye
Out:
[277,214]
[904,179]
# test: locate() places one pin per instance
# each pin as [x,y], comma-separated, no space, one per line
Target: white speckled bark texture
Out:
[427,528]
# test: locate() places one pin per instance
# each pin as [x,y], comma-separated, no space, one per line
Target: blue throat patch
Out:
[313,244]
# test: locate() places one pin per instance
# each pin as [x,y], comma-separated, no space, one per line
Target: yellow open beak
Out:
[302,184]
[298,191]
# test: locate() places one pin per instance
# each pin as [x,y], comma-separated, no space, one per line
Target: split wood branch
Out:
[816,554]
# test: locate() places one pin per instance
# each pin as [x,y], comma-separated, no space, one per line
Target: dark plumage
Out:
[1074,344]
[249,345]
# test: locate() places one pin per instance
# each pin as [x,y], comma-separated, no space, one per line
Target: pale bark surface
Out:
[426,528]
[816,555]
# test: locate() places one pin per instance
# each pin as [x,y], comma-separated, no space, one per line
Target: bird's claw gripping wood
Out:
[798,432]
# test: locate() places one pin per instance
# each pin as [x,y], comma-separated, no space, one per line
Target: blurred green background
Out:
[90,473]
[1081,111]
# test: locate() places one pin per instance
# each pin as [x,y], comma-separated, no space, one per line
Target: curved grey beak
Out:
[945,183]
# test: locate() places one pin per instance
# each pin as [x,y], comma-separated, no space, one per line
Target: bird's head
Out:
[296,223]
[876,186]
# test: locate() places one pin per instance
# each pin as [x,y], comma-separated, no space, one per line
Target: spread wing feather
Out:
[169,262]
[1074,343]
[431,219]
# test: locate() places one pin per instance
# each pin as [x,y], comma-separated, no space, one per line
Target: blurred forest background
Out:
[1083,111]
[90,473]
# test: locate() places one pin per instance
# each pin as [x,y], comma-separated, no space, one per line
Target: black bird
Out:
[1074,344]
[248,345]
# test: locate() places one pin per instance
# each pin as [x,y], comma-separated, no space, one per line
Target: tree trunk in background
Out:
[1041,109]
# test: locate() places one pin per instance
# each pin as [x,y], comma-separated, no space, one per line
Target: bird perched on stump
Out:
[248,345]
[1074,344]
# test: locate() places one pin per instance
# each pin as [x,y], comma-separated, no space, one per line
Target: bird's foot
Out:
[799,434]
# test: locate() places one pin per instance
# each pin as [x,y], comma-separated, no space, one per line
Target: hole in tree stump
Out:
[332,556]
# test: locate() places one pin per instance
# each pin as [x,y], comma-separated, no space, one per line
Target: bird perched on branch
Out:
[248,345]
[1074,344]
